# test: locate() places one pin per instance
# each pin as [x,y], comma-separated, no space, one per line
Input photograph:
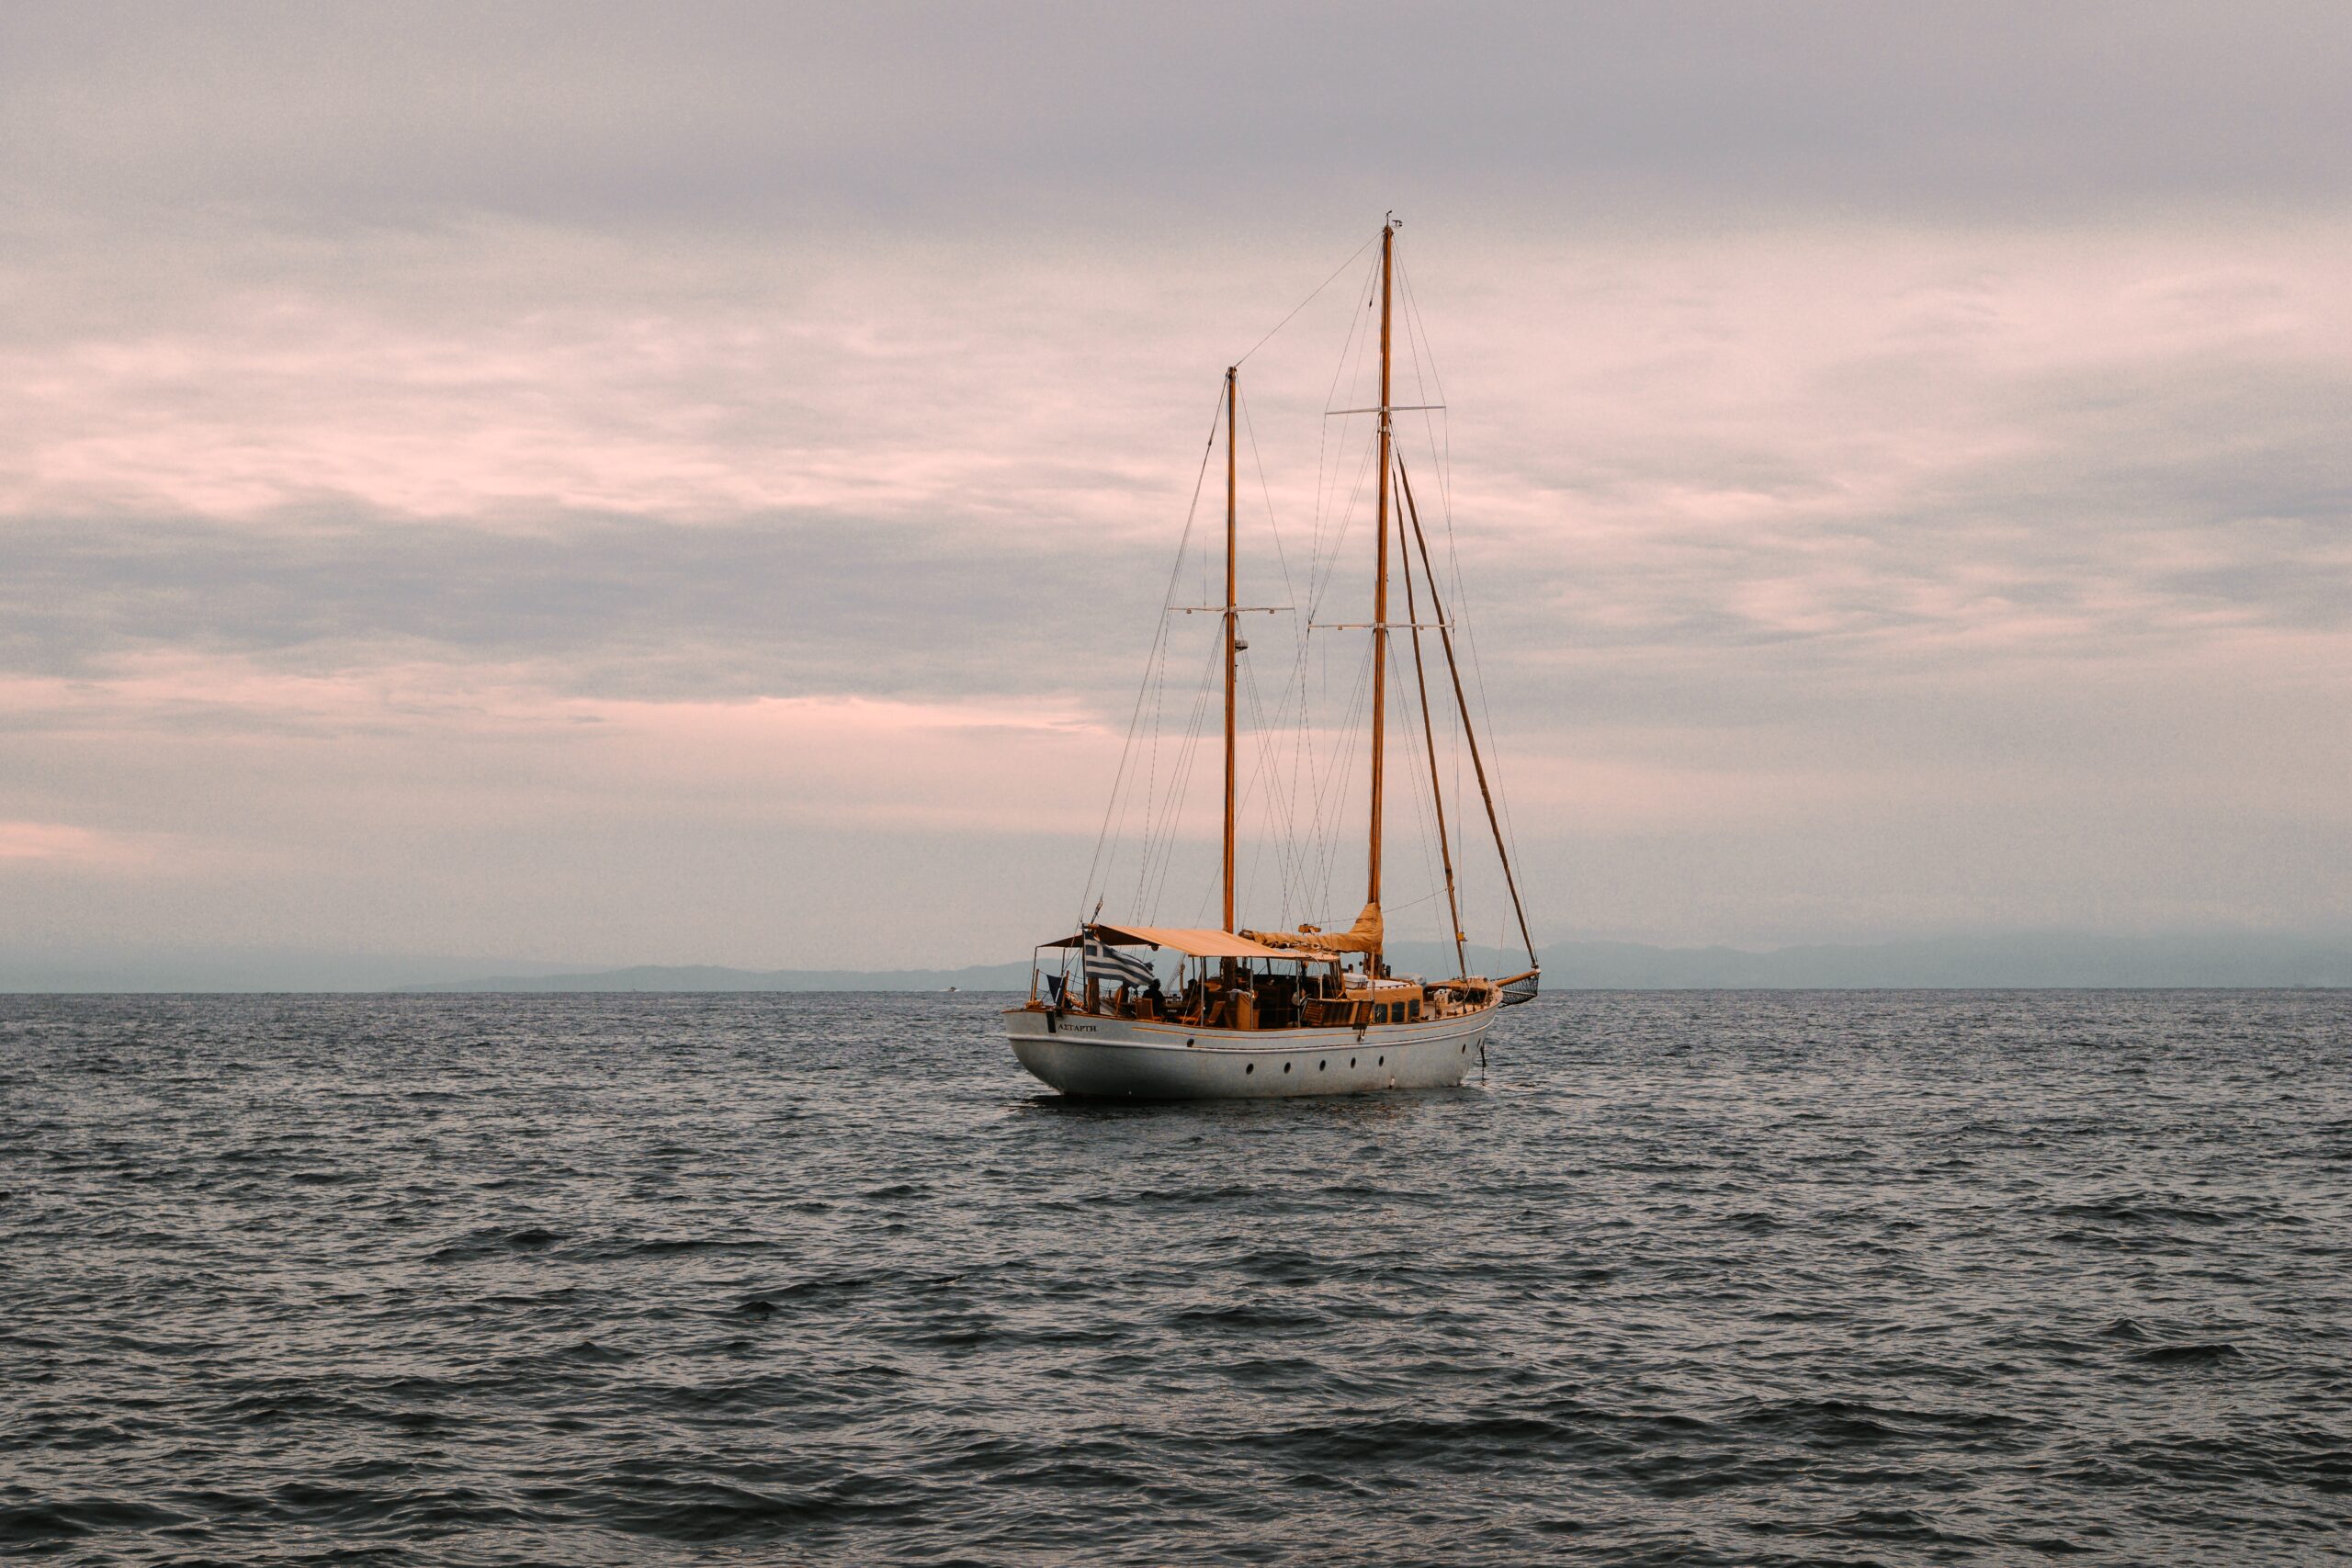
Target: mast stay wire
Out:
[1158,642]
[1266,493]
[1342,773]
[1353,353]
[1326,479]
[1324,571]
[1416,323]
[1417,338]
[1302,304]
[1504,848]
[1162,842]
[1323,564]
[1439,435]
[1282,790]
[1290,589]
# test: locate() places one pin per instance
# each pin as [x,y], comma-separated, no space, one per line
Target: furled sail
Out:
[1365,936]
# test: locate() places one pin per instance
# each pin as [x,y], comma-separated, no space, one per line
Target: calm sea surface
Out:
[1692,1278]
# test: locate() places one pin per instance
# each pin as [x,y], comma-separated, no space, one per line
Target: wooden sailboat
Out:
[1259,1014]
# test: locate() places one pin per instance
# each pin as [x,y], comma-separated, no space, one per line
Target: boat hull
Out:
[1112,1058]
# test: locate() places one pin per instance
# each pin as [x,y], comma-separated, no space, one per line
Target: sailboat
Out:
[1254,1014]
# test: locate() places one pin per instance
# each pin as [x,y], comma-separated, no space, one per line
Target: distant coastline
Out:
[2016,961]
[1989,964]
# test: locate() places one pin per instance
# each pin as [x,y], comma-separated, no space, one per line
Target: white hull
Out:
[1118,1058]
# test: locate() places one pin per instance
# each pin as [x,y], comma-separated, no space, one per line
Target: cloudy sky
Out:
[697,483]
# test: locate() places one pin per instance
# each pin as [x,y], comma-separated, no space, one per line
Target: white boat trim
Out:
[1095,1056]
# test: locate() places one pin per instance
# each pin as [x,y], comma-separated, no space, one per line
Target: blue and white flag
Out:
[1111,966]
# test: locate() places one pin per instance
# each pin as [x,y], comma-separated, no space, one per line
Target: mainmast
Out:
[1380,596]
[1232,622]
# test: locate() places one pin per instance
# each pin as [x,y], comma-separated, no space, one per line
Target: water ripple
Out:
[1691,1279]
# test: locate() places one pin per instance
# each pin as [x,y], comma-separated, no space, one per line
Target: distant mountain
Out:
[2023,962]
[2015,960]
[1992,963]
[711,978]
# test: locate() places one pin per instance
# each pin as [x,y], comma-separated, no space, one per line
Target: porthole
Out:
[1322,1066]
[1352,1061]
[1384,1061]
[1465,1050]
[1285,1067]
[1249,1067]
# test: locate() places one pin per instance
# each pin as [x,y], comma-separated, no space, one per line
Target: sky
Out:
[592,485]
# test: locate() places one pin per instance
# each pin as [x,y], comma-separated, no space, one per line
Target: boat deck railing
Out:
[1279,1007]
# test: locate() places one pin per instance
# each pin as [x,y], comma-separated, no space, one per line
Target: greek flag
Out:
[1110,965]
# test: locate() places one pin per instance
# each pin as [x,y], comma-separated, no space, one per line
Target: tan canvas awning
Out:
[1193,941]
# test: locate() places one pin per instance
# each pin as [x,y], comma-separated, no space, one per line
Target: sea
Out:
[1681,1278]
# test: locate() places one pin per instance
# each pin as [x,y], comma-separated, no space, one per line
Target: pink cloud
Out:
[61,842]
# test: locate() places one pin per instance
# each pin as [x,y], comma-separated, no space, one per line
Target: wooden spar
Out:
[1232,619]
[1453,667]
[1380,598]
[1428,734]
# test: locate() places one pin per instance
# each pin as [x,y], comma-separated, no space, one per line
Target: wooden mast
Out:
[1232,619]
[1379,595]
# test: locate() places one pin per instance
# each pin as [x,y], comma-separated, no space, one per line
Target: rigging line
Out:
[1303,754]
[1196,746]
[1323,862]
[1282,559]
[1503,846]
[1160,634]
[1470,639]
[1316,590]
[1358,346]
[1151,782]
[1151,774]
[1415,321]
[1429,736]
[1159,807]
[1158,673]
[1341,780]
[1263,774]
[1413,786]
[1259,778]
[1179,783]
[1164,831]
[1452,547]
[1294,858]
[1425,356]
[1266,735]
[1302,304]
[1414,793]
[1323,436]
[1281,790]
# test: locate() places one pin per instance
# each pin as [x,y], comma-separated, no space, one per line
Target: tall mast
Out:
[1380,590]
[1232,619]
